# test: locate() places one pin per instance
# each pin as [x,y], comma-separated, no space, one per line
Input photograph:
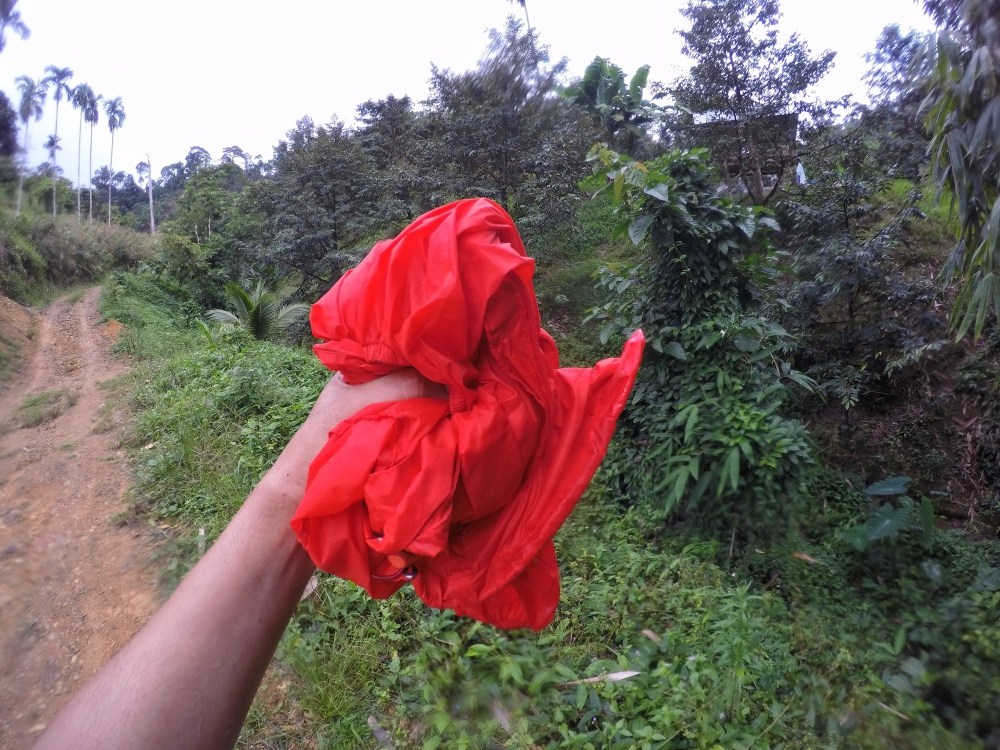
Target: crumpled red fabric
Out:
[471,489]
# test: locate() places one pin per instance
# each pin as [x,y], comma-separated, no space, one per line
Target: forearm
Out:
[187,679]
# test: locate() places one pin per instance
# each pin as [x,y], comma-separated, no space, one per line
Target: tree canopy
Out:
[744,75]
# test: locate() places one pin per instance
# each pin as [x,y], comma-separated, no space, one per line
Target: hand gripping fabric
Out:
[472,489]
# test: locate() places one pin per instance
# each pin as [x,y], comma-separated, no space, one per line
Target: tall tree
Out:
[8,128]
[58,79]
[391,134]
[743,79]
[52,147]
[197,158]
[115,112]
[524,7]
[501,130]
[81,97]
[145,171]
[317,207]
[32,105]
[11,19]
[92,113]
[892,116]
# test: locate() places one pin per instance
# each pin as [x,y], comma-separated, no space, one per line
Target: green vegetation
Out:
[793,541]
[257,311]
[43,407]
[42,254]
[9,356]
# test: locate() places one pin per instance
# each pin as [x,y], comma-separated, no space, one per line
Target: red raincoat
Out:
[471,489]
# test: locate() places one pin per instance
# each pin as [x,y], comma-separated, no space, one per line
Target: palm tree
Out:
[524,7]
[11,19]
[57,78]
[116,116]
[92,114]
[145,171]
[80,97]
[32,104]
[52,146]
[257,311]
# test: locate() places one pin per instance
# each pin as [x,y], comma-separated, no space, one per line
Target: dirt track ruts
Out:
[74,584]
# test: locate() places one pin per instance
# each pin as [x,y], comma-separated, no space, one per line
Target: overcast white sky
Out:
[214,74]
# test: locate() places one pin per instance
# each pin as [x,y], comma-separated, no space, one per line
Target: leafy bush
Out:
[864,320]
[41,251]
[955,665]
[21,266]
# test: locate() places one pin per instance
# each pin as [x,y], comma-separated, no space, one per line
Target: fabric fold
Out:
[472,489]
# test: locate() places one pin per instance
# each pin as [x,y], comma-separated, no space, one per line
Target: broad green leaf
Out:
[709,340]
[857,537]
[927,517]
[886,522]
[692,420]
[637,229]
[731,469]
[675,350]
[660,192]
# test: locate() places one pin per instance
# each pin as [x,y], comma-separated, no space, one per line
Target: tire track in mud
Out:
[74,585]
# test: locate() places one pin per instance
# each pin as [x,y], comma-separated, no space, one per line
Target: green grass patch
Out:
[931,231]
[158,316]
[43,407]
[9,357]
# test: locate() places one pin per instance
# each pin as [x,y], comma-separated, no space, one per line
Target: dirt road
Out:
[74,584]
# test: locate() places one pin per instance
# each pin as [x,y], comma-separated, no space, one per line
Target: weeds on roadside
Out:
[43,407]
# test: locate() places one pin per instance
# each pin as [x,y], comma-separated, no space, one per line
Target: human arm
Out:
[188,677]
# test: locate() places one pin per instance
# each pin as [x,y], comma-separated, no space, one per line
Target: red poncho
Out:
[471,489]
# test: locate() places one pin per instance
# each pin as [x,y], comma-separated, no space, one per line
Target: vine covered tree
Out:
[32,105]
[115,112]
[58,79]
[743,79]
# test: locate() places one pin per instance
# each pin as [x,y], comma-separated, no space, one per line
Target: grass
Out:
[117,390]
[10,357]
[43,407]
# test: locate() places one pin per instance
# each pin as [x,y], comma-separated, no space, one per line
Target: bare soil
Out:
[75,582]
